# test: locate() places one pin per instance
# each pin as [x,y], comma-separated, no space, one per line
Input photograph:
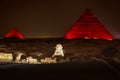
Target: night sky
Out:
[53,18]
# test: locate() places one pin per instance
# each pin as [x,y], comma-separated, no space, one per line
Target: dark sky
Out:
[53,18]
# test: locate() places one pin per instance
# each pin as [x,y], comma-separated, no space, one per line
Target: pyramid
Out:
[88,26]
[14,33]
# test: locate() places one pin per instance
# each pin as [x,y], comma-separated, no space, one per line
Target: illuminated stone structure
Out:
[14,33]
[58,51]
[88,27]
[6,57]
[31,60]
[48,60]
[18,57]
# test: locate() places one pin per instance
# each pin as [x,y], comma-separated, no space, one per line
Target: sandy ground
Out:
[94,70]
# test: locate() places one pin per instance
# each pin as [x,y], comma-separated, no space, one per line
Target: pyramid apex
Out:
[14,28]
[87,9]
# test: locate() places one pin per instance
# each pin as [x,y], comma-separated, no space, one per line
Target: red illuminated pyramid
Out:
[88,26]
[14,33]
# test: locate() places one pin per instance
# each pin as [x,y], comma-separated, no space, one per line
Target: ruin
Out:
[88,27]
[14,33]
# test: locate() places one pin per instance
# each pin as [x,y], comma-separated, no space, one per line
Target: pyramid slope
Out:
[14,33]
[88,26]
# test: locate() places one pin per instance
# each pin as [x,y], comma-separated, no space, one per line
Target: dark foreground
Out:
[66,71]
